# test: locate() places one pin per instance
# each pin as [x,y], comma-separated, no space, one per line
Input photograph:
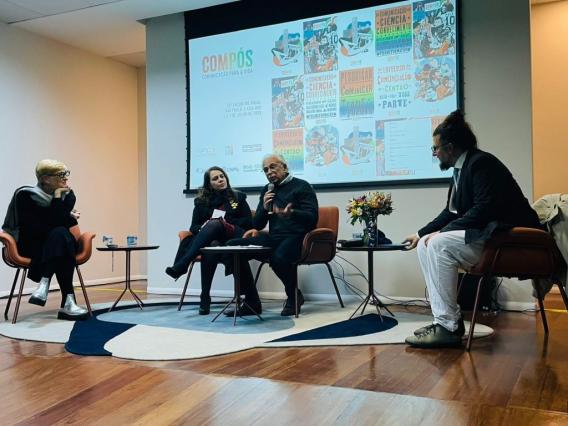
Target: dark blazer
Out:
[36,222]
[488,199]
[304,203]
[237,211]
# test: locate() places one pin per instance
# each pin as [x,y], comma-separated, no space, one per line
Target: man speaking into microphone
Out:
[290,206]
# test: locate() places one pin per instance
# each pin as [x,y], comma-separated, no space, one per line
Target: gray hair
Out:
[279,157]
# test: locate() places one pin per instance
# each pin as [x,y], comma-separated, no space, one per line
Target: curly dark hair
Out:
[206,191]
[454,129]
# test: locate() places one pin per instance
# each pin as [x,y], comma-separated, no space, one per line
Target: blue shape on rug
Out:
[360,326]
[90,336]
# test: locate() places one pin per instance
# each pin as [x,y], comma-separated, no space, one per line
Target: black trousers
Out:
[209,262]
[212,233]
[286,251]
[56,257]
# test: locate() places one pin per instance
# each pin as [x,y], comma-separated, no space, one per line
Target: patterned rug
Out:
[161,332]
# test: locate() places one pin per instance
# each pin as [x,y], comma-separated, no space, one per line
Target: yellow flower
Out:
[369,206]
[234,205]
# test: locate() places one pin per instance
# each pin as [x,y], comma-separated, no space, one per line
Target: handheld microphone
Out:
[270,189]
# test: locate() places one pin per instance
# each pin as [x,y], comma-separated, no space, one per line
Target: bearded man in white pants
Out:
[483,198]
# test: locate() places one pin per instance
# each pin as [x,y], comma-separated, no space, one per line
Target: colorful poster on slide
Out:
[434,28]
[287,102]
[320,45]
[322,145]
[287,49]
[290,144]
[356,93]
[356,38]
[393,30]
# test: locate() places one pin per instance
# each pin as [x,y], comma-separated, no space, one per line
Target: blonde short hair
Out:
[49,167]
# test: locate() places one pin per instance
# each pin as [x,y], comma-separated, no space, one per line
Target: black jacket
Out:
[36,222]
[304,203]
[237,210]
[487,199]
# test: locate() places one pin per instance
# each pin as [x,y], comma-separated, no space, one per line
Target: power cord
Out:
[361,294]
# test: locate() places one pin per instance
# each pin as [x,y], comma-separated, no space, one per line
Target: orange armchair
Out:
[319,246]
[14,260]
[523,253]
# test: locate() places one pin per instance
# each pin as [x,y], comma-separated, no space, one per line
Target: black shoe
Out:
[173,273]
[245,310]
[37,301]
[62,315]
[290,306]
[204,306]
[435,337]
[460,330]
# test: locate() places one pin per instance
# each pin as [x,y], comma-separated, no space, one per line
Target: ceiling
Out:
[108,28]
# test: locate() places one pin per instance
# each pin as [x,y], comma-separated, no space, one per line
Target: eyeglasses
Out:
[61,175]
[436,148]
[271,167]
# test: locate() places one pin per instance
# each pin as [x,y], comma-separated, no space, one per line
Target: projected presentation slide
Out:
[351,97]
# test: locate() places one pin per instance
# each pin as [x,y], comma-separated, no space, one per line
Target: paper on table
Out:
[218,214]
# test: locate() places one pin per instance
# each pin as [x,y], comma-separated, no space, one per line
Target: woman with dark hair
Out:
[40,218]
[220,213]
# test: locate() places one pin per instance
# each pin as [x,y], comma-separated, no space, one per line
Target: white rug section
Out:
[42,326]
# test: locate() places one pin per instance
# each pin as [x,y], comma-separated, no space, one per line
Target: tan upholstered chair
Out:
[319,246]
[523,253]
[13,259]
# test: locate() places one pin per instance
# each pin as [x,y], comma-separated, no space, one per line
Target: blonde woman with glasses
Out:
[39,218]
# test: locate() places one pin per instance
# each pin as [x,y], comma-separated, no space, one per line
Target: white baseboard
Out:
[88,283]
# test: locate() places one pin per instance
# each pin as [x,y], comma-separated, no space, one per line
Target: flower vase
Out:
[370,232]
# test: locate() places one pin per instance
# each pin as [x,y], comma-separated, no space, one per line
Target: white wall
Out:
[59,102]
[496,72]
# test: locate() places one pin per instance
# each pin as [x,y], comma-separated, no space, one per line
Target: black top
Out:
[304,203]
[488,199]
[237,210]
[36,222]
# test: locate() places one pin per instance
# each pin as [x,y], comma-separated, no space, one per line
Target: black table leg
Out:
[371,296]
[237,297]
[237,267]
[127,286]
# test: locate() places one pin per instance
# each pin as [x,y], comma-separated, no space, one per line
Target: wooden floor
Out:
[515,377]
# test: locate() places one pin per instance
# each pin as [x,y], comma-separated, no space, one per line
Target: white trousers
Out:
[440,261]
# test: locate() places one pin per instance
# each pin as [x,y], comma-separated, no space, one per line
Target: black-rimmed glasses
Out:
[436,148]
[61,175]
